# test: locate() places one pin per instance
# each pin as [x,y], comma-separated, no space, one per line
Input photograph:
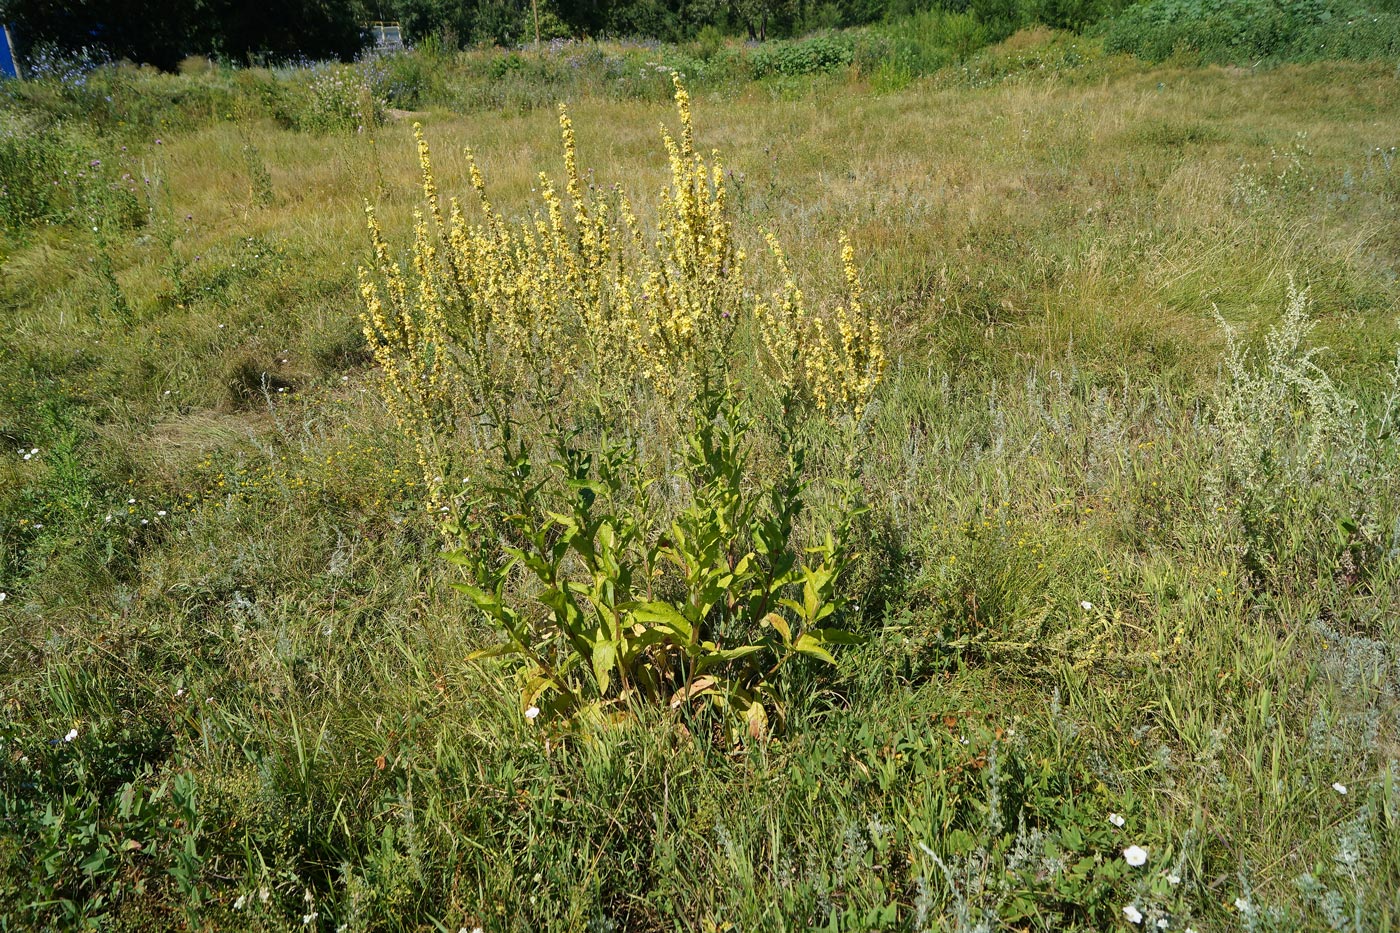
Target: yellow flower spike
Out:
[682,98]
[496,307]
[425,165]
[574,186]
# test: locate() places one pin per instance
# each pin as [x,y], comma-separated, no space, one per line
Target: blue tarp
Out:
[7,55]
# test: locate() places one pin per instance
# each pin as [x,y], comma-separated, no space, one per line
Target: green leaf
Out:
[779,625]
[812,647]
[836,636]
[488,603]
[658,613]
[495,651]
[604,659]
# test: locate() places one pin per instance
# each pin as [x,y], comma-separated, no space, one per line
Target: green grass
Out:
[266,669]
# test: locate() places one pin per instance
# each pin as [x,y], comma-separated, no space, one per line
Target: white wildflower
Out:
[1340,788]
[1132,913]
[1116,820]
[1135,856]
[532,712]
[72,734]
[1085,605]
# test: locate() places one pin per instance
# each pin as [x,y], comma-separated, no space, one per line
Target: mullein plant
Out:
[526,360]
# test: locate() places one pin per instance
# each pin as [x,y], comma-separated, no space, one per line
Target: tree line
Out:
[163,32]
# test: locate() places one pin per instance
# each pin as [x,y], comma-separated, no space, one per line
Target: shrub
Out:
[817,55]
[1291,449]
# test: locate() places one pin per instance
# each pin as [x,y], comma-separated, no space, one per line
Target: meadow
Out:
[1018,548]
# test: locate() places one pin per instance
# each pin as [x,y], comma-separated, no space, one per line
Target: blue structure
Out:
[9,68]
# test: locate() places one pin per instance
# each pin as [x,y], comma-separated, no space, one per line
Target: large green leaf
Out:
[664,614]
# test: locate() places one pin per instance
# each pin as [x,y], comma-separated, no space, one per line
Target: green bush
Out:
[1251,31]
[817,55]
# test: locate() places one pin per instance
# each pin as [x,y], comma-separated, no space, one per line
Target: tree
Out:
[162,32]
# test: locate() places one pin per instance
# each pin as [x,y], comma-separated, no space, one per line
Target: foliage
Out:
[705,613]
[1249,32]
[814,55]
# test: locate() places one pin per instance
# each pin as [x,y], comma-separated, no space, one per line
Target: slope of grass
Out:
[1117,591]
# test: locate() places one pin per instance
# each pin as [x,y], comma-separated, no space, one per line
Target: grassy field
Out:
[1123,573]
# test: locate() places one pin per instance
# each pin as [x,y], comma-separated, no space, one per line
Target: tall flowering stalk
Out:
[574,303]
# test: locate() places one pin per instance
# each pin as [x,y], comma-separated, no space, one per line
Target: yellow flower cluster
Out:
[575,303]
[838,371]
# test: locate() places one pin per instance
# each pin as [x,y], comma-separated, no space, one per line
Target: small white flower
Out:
[1085,605]
[180,692]
[1116,820]
[130,501]
[1242,905]
[308,919]
[242,900]
[33,450]
[1340,788]
[160,514]
[532,712]
[72,734]
[1163,923]
[1132,913]
[1173,879]
[1135,856]
[4,596]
